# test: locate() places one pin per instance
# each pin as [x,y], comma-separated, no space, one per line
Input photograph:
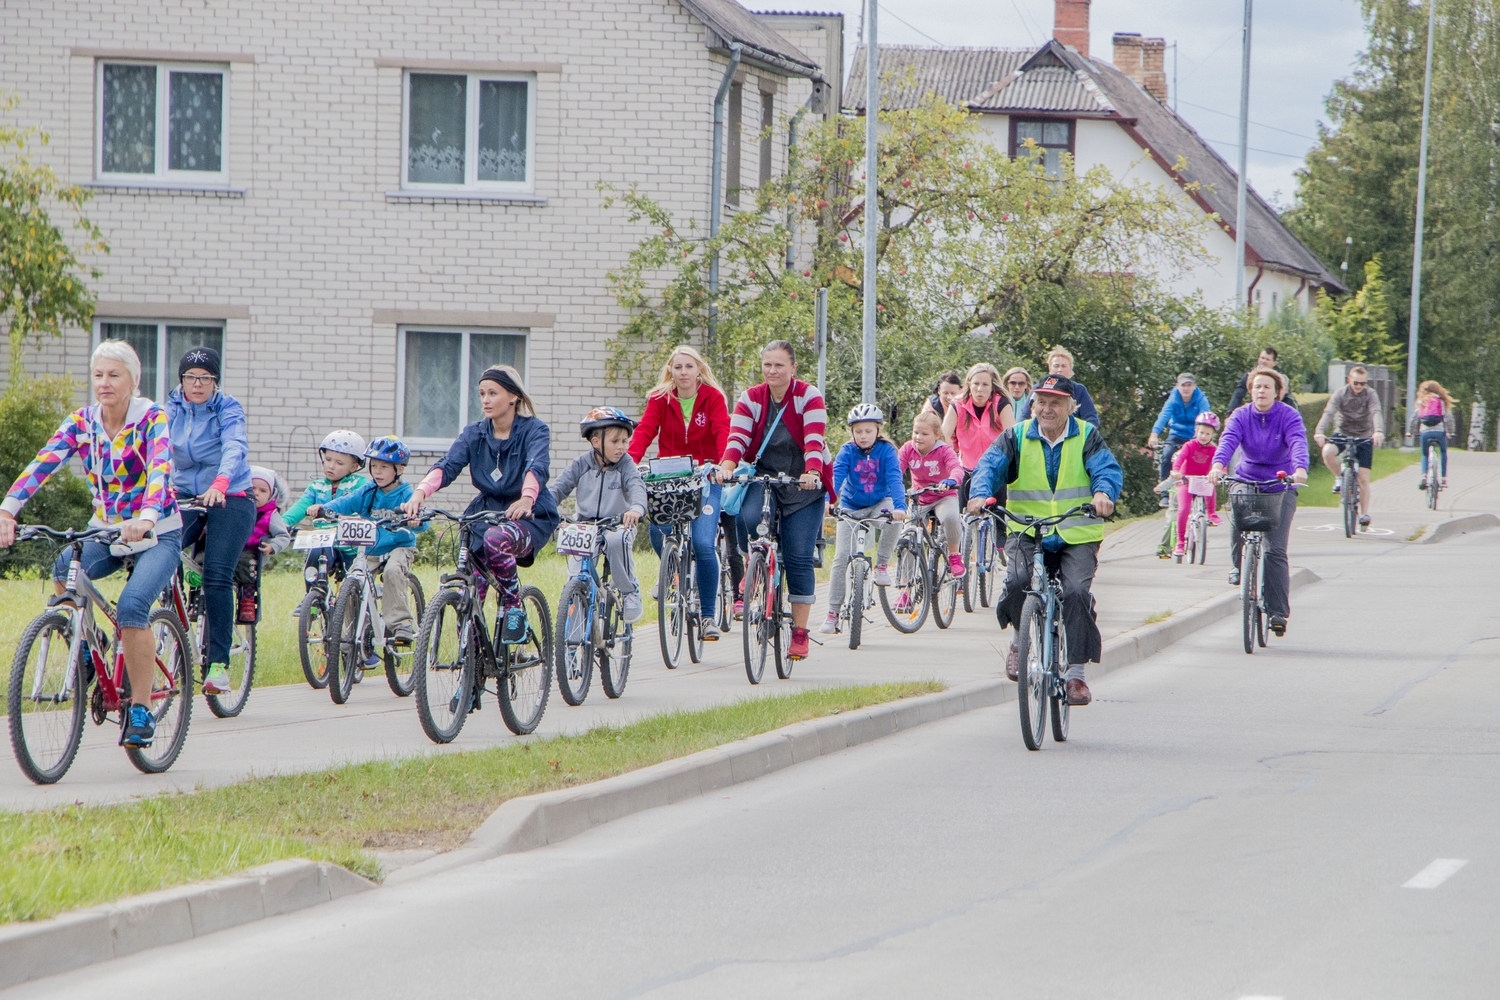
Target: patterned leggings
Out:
[504,544]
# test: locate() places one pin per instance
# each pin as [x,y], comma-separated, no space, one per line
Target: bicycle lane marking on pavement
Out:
[1435,874]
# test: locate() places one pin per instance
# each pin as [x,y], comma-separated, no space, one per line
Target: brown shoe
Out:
[1078,692]
[1013,663]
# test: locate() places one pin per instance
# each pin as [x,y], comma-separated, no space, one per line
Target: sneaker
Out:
[139,729]
[739,610]
[630,604]
[830,625]
[798,648]
[216,681]
[402,635]
[1443,482]
[1215,520]
[1422,483]
[1338,487]
[882,576]
[1364,522]
[1162,552]
[903,602]
[956,565]
[1278,625]
[1180,551]
[249,609]
[1165,501]
[708,631]
[1234,578]
[513,631]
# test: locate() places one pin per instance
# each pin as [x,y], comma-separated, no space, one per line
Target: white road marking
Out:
[1435,874]
[1262,998]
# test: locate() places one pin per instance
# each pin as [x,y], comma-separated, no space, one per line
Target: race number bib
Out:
[355,531]
[314,538]
[577,539]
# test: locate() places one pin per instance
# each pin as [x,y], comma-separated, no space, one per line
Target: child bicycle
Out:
[920,577]
[1195,539]
[767,625]
[60,665]
[455,654]
[356,636]
[1042,639]
[1255,513]
[859,595]
[590,621]
[322,579]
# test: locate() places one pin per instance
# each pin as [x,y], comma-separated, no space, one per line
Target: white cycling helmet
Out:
[863,412]
[345,443]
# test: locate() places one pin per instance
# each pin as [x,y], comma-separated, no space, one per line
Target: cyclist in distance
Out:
[1353,411]
[778,426]
[1053,461]
[977,417]
[209,465]
[1178,416]
[1060,362]
[950,385]
[1241,392]
[123,442]
[1433,415]
[686,415]
[1272,439]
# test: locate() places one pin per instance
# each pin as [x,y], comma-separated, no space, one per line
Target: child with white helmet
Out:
[343,455]
[867,481]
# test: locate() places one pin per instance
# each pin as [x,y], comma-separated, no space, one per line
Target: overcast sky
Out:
[1300,48]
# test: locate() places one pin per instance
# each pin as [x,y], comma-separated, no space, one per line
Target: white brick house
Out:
[357,199]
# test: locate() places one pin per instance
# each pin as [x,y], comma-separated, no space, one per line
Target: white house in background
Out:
[1114,115]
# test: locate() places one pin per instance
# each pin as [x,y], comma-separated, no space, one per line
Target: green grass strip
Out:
[1319,491]
[75,856]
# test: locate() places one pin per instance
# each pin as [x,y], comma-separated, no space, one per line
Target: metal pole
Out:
[1242,199]
[1416,260]
[820,334]
[716,193]
[872,198]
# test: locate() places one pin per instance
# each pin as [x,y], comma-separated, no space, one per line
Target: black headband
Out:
[504,380]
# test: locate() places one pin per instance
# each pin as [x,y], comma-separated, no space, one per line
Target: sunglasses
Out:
[1359,383]
[1018,381]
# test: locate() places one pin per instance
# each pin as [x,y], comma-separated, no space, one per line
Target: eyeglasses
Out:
[198,380]
[1019,382]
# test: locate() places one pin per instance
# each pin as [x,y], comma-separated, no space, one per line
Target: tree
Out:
[1360,324]
[42,287]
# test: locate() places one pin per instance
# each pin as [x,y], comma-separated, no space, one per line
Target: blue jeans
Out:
[799,534]
[1441,437]
[153,571]
[705,556]
[1169,448]
[224,530]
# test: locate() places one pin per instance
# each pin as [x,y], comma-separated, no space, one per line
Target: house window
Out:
[161,122]
[1051,138]
[159,345]
[767,121]
[732,153]
[438,372]
[469,131]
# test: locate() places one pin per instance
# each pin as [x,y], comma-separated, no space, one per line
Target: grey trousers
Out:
[1076,567]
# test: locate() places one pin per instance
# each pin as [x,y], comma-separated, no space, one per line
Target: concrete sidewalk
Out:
[294,728]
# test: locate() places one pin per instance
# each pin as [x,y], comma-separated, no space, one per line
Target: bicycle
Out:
[1255,513]
[1349,480]
[675,502]
[1434,478]
[455,654]
[1042,650]
[921,577]
[984,558]
[859,597]
[312,612]
[1195,539]
[590,621]
[47,692]
[356,636]
[767,624]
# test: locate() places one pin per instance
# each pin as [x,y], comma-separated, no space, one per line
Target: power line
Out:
[913,27]
[1273,128]
[1270,152]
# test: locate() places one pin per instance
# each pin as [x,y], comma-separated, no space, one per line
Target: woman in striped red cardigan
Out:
[778,426]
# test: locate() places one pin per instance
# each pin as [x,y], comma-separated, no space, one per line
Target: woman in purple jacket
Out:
[1273,440]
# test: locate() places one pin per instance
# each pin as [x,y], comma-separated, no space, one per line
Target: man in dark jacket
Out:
[1267,360]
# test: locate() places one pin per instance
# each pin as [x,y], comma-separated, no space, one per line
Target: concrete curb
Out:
[73,940]
[1459,526]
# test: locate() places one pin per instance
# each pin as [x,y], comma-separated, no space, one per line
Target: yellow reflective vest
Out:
[1033,495]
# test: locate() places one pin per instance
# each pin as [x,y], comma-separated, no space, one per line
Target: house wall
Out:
[312,258]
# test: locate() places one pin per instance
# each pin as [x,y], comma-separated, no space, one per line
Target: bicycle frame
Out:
[588,569]
[863,526]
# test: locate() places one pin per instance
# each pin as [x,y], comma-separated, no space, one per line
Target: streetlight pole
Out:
[1416,260]
[1242,199]
[872,198]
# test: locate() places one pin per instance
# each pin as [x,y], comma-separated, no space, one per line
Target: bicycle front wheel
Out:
[443,667]
[45,700]
[992,556]
[1031,654]
[757,625]
[905,602]
[671,607]
[312,624]
[526,680]
[573,643]
[854,600]
[942,585]
[614,658]
[1349,497]
[1058,702]
[346,647]
[973,596]
[171,694]
[1249,589]
[400,661]
[781,634]
[1434,478]
[725,604]
[241,673]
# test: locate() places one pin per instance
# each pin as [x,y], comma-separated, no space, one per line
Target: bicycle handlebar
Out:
[1026,521]
[843,515]
[775,478]
[1282,480]
[1343,439]
[613,521]
[30,532]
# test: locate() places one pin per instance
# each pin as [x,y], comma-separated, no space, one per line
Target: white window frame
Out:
[471,181]
[164,176]
[466,378]
[166,368]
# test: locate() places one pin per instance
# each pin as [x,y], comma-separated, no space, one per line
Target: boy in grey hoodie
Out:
[609,485]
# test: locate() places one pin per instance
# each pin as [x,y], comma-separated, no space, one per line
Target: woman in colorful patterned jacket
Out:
[122,440]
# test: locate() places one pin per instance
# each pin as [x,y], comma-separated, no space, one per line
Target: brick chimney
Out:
[1070,24]
[1144,61]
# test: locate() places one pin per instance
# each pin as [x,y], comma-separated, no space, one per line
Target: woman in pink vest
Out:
[979,414]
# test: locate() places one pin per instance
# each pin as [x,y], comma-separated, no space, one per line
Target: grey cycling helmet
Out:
[345,443]
[863,412]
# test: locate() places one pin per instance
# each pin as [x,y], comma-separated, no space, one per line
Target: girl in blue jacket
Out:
[867,481]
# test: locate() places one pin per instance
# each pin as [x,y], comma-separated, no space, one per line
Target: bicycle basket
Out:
[676,502]
[1256,511]
[1199,486]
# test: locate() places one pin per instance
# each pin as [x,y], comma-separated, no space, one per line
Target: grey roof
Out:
[728,22]
[1057,80]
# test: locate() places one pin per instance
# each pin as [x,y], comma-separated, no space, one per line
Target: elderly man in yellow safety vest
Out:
[1051,463]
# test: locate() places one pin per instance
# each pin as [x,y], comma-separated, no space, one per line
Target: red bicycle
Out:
[66,659]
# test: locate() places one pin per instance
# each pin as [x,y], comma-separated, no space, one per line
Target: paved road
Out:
[1220,826]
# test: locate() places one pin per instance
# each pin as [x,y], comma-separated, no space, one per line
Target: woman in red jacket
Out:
[686,415]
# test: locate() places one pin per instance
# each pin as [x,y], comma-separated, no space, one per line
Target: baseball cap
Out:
[1186,378]
[1056,385]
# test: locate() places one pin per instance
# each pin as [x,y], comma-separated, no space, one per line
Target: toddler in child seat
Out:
[936,470]
[382,497]
[1194,458]
[269,536]
[609,485]
[867,482]
[342,455]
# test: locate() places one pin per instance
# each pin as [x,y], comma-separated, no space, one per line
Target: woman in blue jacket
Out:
[1178,416]
[508,453]
[209,466]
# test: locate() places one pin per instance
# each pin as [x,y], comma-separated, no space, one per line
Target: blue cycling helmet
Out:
[389,449]
[604,416]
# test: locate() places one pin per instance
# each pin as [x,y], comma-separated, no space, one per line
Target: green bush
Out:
[30,411]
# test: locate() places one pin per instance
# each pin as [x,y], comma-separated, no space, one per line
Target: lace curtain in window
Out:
[439,106]
[502,131]
[196,128]
[129,141]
